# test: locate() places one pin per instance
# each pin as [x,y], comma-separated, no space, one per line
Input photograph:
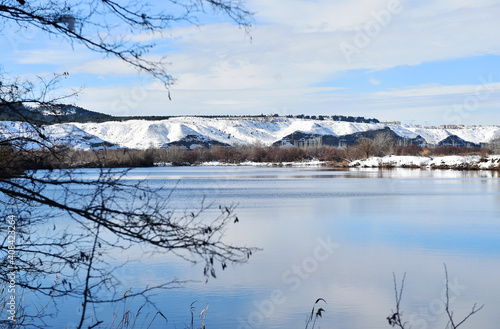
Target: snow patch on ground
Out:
[308,163]
[452,162]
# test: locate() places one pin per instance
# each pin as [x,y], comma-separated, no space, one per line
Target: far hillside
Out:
[65,113]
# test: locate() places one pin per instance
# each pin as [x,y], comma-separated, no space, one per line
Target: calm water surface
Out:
[338,235]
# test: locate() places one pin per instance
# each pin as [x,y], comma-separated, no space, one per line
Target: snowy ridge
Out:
[194,131]
[64,134]
[145,134]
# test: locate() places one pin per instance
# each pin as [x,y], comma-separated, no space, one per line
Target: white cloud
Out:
[482,90]
[51,56]
[318,15]
[222,102]
[220,56]
[327,15]
[306,58]
[102,67]
[220,70]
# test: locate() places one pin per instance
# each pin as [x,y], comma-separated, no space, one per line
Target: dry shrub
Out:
[285,154]
[227,154]
[69,158]
[412,150]
[444,150]
[258,154]
[332,154]
[426,152]
[484,151]
[191,157]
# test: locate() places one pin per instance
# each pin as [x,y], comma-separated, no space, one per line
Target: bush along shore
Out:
[443,157]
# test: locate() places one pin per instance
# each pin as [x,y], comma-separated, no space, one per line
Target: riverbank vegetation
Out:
[120,158]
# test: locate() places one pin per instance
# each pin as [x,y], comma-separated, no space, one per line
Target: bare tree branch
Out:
[395,318]
[449,312]
[107,212]
[103,25]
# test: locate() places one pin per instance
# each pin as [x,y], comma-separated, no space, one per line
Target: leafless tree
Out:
[66,224]
[367,147]
[494,145]
[351,153]
[384,143]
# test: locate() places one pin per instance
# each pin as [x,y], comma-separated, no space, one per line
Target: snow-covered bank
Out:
[467,162]
[309,163]
[472,162]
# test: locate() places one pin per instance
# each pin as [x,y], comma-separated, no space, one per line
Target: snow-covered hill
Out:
[192,132]
[59,134]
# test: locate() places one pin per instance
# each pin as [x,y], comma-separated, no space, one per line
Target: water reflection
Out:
[338,235]
[304,173]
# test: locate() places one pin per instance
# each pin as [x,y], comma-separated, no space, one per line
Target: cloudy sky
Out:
[425,61]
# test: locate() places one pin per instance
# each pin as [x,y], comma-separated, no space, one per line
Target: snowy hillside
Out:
[190,132]
[61,134]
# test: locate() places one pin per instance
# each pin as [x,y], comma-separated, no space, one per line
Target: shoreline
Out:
[453,162]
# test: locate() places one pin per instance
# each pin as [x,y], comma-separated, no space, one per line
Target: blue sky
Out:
[434,62]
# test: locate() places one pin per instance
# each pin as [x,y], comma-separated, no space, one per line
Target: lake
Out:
[333,234]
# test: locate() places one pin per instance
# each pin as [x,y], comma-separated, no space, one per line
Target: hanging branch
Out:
[108,27]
